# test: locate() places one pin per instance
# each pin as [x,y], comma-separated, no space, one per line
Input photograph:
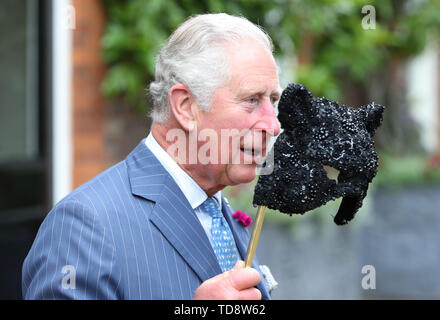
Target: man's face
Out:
[245,110]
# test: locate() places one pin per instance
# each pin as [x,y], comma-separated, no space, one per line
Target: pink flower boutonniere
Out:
[242,217]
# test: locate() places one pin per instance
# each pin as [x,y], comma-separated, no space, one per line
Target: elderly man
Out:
[155,226]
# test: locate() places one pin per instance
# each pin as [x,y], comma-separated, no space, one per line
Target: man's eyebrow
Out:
[276,93]
[249,92]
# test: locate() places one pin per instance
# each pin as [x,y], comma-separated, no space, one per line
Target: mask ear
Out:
[294,106]
[373,115]
[301,93]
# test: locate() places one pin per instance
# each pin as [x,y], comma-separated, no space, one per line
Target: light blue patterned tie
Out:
[223,241]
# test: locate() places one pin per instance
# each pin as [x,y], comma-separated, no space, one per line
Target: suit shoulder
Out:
[92,192]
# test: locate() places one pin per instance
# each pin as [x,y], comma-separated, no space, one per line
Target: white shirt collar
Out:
[192,191]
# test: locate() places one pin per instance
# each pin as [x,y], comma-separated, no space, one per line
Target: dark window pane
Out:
[18,80]
[22,185]
[25,103]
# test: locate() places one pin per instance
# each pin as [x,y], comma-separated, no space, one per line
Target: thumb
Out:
[239,265]
[241,277]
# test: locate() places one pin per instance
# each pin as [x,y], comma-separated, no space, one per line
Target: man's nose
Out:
[268,119]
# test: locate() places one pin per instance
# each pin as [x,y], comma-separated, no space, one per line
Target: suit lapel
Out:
[172,214]
[175,218]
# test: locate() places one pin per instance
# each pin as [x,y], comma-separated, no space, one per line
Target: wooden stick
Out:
[253,241]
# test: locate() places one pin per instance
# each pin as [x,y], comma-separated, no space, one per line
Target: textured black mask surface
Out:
[320,132]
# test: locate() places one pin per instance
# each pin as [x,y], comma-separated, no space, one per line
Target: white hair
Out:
[195,56]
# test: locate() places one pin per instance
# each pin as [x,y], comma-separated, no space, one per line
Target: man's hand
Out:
[235,284]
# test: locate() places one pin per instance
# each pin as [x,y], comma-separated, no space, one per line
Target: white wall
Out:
[61,116]
[422,84]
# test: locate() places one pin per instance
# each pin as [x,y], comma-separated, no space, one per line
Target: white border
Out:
[61,101]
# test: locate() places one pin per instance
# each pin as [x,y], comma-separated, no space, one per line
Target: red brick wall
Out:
[87,104]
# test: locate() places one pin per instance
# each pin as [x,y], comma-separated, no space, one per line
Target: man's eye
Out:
[253,100]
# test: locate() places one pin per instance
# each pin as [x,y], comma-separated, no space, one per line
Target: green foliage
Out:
[340,50]
[137,29]
[399,171]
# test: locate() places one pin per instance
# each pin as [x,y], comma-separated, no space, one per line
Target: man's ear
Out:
[183,106]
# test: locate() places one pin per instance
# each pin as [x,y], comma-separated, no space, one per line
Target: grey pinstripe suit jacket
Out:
[129,233]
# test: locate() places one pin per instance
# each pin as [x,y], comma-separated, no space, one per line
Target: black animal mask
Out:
[320,132]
